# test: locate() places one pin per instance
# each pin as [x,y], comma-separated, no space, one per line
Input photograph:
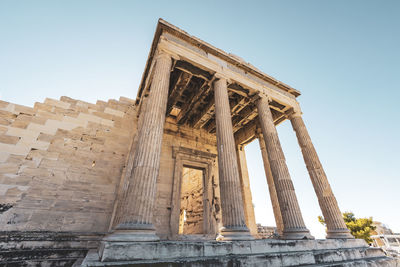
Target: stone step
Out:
[45,248]
[242,253]
[283,260]
[366,262]
[41,263]
[41,254]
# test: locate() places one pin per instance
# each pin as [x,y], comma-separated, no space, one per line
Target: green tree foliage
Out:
[360,228]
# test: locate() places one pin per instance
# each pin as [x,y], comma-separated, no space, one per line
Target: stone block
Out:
[114,104]
[15,179]
[127,100]
[103,115]
[297,259]
[20,124]
[3,104]
[5,121]
[38,128]
[9,108]
[57,103]
[212,249]
[9,168]
[45,137]
[14,149]
[23,110]
[123,251]
[7,139]
[68,100]
[264,246]
[40,145]
[114,112]
[6,114]
[53,125]
[6,189]
[43,107]
[4,156]
[75,121]
[89,117]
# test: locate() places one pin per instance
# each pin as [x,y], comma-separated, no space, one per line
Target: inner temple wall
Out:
[191,210]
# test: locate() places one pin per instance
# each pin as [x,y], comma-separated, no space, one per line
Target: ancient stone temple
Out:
[162,180]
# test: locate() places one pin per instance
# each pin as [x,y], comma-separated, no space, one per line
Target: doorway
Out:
[191,217]
[195,202]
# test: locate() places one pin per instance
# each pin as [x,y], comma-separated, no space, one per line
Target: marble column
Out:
[336,228]
[271,185]
[293,223]
[246,192]
[137,205]
[231,199]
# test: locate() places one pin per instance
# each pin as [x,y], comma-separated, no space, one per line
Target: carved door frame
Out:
[205,161]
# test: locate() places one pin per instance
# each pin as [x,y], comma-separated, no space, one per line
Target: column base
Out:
[119,241]
[133,235]
[339,234]
[234,233]
[297,234]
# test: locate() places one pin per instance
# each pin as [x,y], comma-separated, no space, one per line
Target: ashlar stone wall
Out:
[61,163]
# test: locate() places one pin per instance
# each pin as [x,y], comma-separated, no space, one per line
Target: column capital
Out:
[258,96]
[220,76]
[258,131]
[292,113]
[161,53]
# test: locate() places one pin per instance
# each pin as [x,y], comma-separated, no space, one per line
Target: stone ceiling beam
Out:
[246,134]
[247,114]
[177,89]
[192,105]
[238,89]
[193,70]
[204,116]
[214,66]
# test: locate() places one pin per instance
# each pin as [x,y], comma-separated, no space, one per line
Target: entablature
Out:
[196,65]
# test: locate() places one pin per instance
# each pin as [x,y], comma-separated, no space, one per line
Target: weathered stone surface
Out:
[336,228]
[244,253]
[271,185]
[141,187]
[20,248]
[231,198]
[51,170]
[293,223]
[117,168]
[246,192]
[191,210]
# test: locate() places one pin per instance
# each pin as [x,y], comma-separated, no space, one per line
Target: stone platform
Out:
[265,252]
[45,248]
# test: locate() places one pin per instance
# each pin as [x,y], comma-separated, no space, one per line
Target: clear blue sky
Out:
[344,56]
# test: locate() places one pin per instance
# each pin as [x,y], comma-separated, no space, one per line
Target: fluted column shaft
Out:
[231,199]
[336,228]
[138,204]
[293,223]
[246,192]
[271,186]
